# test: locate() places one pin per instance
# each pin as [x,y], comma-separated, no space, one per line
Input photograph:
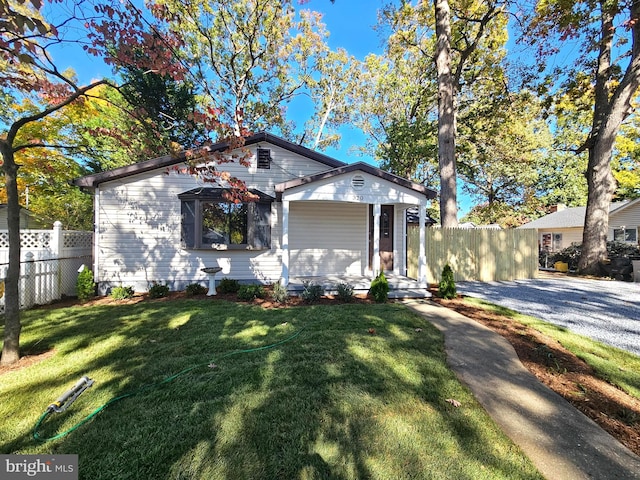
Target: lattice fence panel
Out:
[77,239]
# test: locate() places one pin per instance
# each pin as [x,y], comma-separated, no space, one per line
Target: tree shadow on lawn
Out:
[337,401]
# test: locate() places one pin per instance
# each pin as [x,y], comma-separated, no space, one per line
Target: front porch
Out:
[399,286]
[348,223]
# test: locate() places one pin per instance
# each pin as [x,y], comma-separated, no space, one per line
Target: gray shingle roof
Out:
[567,218]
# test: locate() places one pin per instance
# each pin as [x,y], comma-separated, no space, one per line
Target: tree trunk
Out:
[609,113]
[446,117]
[12,326]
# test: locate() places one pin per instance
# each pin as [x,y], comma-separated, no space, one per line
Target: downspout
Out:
[96,229]
[284,278]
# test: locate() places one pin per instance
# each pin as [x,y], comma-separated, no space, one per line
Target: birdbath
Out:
[211,271]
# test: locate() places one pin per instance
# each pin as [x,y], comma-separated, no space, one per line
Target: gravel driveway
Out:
[607,311]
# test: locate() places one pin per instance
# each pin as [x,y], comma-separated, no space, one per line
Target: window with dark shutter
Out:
[210,221]
[188,210]
[259,225]
[264,158]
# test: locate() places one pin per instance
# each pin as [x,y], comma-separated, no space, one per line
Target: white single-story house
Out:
[27,219]
[563,227]
[311,216]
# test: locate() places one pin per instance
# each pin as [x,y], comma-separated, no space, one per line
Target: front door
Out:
[386,237]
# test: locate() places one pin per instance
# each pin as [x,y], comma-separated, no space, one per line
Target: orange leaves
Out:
[125,38]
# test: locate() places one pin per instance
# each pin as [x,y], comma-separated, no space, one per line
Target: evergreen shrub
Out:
[447,286]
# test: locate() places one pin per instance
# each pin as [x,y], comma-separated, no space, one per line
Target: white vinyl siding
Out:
[629,218]
[569,237]
[138,227]
[327,238]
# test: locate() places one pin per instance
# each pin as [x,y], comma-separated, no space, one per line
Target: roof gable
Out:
[92,181]
[573,216]
[354,167]
[625,205]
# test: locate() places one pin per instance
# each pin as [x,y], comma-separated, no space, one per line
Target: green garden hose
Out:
[43,417]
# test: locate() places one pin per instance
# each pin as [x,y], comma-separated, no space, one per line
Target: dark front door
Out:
[386,237]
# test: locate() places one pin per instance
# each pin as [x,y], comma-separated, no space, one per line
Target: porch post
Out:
[284,278]
[376,240]
[422,257]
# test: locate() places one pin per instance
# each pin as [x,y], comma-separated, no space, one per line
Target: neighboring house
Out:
[490,226]
[313,216]
[27,219]
[562,228]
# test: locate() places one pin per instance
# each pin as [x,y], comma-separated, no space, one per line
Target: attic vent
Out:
[357,182]
[264,158]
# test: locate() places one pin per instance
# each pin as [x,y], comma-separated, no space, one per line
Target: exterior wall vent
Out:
[264,158]
[357,182]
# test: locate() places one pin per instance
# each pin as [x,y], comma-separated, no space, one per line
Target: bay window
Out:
[210,220]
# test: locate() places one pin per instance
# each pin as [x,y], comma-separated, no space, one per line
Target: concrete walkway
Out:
[560,441]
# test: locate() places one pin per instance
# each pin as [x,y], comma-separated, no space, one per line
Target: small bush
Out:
[250,292]
[85,286]
[345,292]
[447,286]
[158,290]
[194,289]
[311,292]
[228,285]
[279,293]
[121,293]
[571,254]
[379,289]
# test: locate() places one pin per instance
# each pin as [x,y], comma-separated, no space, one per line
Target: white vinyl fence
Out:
[49,263]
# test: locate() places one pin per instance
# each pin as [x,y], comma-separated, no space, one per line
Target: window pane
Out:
[215,223]
[237,223]
[630,235]
[618,235]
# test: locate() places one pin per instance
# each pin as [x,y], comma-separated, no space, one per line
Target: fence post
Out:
[56,239]
[29,283]
[57,244]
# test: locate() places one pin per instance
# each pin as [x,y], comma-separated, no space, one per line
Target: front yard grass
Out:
[362,392]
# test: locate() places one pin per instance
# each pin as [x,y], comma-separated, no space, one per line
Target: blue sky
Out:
[350,24]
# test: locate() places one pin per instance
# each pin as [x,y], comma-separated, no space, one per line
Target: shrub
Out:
[228,285]
[571,254]
[158,290]
[311,292]
[250,292]
[345,292]
[379,289]
[121,293]
[447,286]
[85,286]
[195,289]
[279,293]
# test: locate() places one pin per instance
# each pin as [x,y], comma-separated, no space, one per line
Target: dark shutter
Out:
[264,158]
[188,233]
[259,228]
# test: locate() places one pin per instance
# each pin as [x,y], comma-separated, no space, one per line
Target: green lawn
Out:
[334,401]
